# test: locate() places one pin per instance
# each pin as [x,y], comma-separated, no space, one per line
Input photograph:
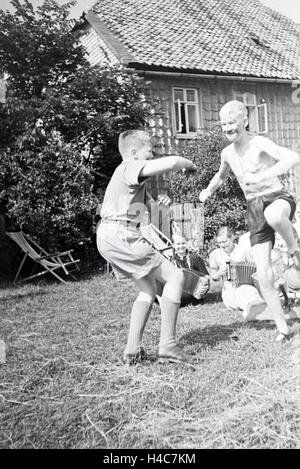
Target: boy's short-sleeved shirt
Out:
[125,195]
[122,244]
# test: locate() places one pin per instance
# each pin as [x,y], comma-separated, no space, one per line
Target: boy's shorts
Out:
[127,251]
[260,231]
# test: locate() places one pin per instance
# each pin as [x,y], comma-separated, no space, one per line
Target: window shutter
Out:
[262,118]
[180,125]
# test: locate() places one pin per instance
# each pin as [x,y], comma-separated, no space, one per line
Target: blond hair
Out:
[226,231]
[235,109]
[131,139]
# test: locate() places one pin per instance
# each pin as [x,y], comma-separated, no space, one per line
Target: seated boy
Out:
[246,297]
[257,162]
[185,258]
[120,242]
[195,272]
[219,256]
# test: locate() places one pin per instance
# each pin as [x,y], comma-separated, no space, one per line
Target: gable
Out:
[96,49]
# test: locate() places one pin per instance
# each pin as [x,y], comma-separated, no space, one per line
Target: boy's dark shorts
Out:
[260,231]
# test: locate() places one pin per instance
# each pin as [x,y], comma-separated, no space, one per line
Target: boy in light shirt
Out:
[120,242]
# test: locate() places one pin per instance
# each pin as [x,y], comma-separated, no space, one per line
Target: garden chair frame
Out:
[51,262]
[158,240]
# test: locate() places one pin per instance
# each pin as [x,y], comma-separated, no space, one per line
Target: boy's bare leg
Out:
[173,278]
[139,316]
[262,258]
[277,216]
[266,315]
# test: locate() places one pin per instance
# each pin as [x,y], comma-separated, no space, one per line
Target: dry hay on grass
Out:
[64,384]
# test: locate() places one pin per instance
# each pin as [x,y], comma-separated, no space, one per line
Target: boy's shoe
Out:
[173,354]
[282,337]
[134,358]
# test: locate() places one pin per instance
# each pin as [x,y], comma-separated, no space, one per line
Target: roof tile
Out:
[212,36]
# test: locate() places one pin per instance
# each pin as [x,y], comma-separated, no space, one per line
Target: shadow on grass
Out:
[21,296]
[213,297]
[213,335]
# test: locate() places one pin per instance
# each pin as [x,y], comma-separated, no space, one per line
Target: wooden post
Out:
[160,217]
[188,219]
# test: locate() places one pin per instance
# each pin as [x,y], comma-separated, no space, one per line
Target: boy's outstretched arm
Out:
[216,181]
[166,163]
[286,159]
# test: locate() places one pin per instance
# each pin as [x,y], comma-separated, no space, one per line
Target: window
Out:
[257,113]
[186,111]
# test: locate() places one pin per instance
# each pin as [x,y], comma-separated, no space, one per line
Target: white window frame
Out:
[178,102]
[250,101]
[2,90]
[265,128]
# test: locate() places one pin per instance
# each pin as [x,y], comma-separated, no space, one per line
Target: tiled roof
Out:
[231,37]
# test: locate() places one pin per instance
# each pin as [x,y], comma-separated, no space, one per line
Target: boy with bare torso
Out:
[257,162]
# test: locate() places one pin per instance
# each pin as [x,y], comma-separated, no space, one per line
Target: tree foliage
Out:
[38,47]
[91,110]
[60,125]
[49,191]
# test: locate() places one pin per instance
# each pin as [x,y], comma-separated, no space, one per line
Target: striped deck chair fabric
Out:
[158,240]
[50,262]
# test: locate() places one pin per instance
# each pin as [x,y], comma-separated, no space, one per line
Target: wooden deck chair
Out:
[51,263]
[158,240]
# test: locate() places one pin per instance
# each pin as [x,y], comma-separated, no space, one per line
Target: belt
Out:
[124,223]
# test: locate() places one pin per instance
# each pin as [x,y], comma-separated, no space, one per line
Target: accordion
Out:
[241,273]
[195,284]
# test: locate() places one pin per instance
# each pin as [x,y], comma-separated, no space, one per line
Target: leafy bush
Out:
[60,125]
[91,108]
[49,191]
[227,205]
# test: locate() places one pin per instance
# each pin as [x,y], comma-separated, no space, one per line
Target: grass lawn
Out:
[64,384]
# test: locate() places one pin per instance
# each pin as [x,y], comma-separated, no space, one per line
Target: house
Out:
[198,54]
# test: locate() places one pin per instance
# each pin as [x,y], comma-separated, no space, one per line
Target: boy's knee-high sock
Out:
[169,314]
[139,316]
